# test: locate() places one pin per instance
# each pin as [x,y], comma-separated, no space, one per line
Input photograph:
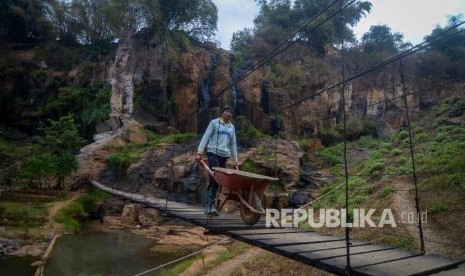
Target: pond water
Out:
[100,251]
[18,266]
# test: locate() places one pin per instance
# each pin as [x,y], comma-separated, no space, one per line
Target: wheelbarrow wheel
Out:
[248,216]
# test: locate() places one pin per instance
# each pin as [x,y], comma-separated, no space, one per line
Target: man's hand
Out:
[236,167]
[198,157]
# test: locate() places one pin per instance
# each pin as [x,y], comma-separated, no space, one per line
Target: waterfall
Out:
[205,111]
[236,97]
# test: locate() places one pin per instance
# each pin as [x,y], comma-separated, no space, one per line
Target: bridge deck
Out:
[312,248]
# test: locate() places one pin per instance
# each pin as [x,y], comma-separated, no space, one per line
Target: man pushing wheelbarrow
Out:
[247,188]
[220,140]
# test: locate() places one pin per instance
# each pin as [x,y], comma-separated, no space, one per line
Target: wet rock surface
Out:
[8,246]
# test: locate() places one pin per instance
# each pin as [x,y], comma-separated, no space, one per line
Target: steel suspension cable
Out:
[346,168]
[417,200]
[408,52]
[270,57]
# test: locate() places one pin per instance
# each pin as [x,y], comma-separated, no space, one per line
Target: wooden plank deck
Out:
[322,251]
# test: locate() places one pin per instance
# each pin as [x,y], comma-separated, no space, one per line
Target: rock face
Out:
[188,91]
[129,215]
[92,158]
[184,92]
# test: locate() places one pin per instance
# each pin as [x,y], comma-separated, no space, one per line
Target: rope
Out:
[182,258]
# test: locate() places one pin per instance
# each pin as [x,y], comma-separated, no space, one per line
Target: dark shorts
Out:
[215,161]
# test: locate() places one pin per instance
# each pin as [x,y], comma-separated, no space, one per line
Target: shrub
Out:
[248,166]
[420,137]
[367,142]
[332,155]
[437,207]
[250,132]
[375,166]
[119,163]
[70,216]
[91,198]
[386,191]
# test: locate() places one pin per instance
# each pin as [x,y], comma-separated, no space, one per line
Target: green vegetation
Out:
[132,152]
[381,172]
[53,159]
[180,267]
[386,191]
[120,162]
[250,133]
[24,218]
[13,213]
[6,149]
[71,215]
[90,199]
[248,166]
[179,138]
[232,249]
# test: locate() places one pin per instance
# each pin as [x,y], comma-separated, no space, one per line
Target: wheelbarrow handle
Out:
[206,167]
[209,170]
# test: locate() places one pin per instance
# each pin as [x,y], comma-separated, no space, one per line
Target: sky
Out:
[413,18]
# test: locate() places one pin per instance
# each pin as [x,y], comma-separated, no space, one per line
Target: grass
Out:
[124,156]
[75,212]
[250,133]
[179,138]
[10,210]
[232,249]
[437,207]
[70,216]
[382,165]
[91,198]
[180,266]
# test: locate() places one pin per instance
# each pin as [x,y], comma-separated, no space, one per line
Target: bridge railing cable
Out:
[182,258]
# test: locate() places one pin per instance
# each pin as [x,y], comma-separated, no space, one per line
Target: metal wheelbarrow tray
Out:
[245,187]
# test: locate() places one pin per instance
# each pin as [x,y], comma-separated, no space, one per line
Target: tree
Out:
[42,168]
[447,55]
[38,169]
[23,20]
[62,166]
[282,17]
[197,18]
[453,46]
[54,160]
[240,44]
[380,38]
[61,136]
[101,21]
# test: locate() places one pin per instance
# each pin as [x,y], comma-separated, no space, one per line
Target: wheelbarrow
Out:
[245,187]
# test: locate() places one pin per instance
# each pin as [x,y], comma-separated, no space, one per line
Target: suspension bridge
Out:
[339,255]
[322,251]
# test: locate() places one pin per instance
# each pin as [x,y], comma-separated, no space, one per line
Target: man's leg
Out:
[213,161]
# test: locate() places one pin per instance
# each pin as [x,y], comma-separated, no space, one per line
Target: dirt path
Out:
[222,269]
[436,241]
[51,226]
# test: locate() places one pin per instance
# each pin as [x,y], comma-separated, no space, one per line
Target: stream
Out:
[96,250]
